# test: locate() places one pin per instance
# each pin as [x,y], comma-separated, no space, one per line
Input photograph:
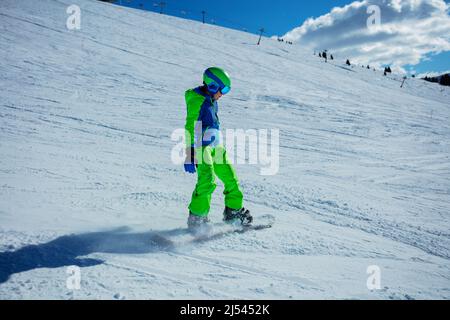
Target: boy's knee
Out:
[206,185]
[211,186]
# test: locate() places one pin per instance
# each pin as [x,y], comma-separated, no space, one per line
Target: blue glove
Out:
[189,167]
[189,164]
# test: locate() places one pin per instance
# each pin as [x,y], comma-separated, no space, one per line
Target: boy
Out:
[206,155]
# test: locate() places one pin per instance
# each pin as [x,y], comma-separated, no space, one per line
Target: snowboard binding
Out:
[241,216]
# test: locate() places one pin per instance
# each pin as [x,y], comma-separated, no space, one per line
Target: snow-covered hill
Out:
[86,178]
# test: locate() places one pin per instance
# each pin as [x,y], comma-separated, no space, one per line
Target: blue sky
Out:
[277,17]
[434,63]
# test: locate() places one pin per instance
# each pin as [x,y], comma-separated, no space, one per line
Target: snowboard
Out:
[213,231]
[222,229]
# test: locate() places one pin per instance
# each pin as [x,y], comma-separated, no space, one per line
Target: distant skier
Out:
[206,155]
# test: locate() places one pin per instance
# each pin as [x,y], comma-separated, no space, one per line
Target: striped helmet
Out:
[216,79]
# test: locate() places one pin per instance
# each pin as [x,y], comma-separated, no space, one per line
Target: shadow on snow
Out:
[67,250]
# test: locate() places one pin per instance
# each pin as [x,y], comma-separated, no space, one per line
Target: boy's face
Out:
[217,95]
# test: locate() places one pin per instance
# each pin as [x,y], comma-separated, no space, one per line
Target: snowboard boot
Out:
[241,216]
[197,224]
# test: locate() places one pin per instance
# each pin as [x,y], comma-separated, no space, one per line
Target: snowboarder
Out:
[206,155]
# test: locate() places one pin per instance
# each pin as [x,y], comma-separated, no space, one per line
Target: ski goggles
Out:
[213,87]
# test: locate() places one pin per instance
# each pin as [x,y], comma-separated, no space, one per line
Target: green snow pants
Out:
[212,162]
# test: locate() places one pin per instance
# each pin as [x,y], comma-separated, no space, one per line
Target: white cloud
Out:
[409,30]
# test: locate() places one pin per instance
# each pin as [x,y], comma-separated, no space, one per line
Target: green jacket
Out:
[201,107]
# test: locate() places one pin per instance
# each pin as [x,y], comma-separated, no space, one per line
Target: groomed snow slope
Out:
[86,118]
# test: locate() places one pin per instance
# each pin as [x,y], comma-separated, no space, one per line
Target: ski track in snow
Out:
[86,119]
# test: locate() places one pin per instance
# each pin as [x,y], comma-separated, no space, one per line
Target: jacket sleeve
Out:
[194,104]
